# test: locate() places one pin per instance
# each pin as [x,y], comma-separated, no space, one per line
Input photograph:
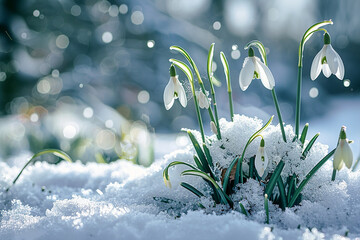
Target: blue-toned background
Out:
[75,70]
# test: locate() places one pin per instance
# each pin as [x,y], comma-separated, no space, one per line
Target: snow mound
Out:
[125,201]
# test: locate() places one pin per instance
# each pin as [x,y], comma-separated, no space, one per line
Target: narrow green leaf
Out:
[198,163]
[291,187]
[308,177]
[224,199]
[260,46]
[199,152]
[192,189]
[55,152]
[309,146]
[251,167]
[166,171]
[228,171]
[183,67]
[356,165]
[208,155]
[303,134]
[243,210]
[281,187]
[274,178]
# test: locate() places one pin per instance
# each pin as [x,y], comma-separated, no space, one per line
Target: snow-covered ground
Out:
[125,201]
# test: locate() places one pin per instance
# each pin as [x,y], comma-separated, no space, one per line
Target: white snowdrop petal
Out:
[266,76]
[169,95]
[316,65]
[331,59]
[246,73]
[337,163]
[347,155]
[261,164]
[326,70]
[181,93]
[341,69]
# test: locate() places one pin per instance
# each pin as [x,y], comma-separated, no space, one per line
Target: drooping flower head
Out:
[254,68]
[174,90]
[327,60]
[203,100]
[343,153]
[261,159]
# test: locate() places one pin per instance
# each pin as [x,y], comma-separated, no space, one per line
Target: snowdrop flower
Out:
[202,99]
[328,61]
[213,127]
[343,153]
[254,68]
[261,159]
[174,90]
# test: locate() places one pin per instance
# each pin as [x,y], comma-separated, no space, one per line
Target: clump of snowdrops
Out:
[223,185]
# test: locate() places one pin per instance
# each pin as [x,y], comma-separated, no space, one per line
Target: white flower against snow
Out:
[202,99]
[343,153]
[174,90]
[213,128]
[261,159]
[254,68]
[327,60]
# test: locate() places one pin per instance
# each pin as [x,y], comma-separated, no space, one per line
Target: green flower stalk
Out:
[201,83]
[259,72]
[307,35]
[228,82]
[189,75]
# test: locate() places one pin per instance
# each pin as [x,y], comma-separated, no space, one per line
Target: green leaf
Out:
[251,167]
[303,133]
[309,146]
[166,171]
[224,199]
[228,171]
[183,67]
[192,189]
[243,210]
[198,163]
[291,187]
[308,177]
[199,152]
[55,152]
[226,70]
[281,187]
[260,46]
[274,178]
[208,155]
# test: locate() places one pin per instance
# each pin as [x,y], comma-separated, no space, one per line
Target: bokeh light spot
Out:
[70,131]
[75,10]
[137,17]
[150,43]
[143,97]
[62,41]
[314,92]
[123,9]
[36,13]
[107,37]
[216,25]
[235,54]
[88,112]
[347,83]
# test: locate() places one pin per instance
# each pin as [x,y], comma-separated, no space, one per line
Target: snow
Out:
[121,200]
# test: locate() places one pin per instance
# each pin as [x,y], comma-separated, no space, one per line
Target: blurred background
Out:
[88,76]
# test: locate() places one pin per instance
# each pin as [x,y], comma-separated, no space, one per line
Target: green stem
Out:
[308,177]
[298,99]
[333,176]
[199,117]
[231,106]
[279,114]
[215,109]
